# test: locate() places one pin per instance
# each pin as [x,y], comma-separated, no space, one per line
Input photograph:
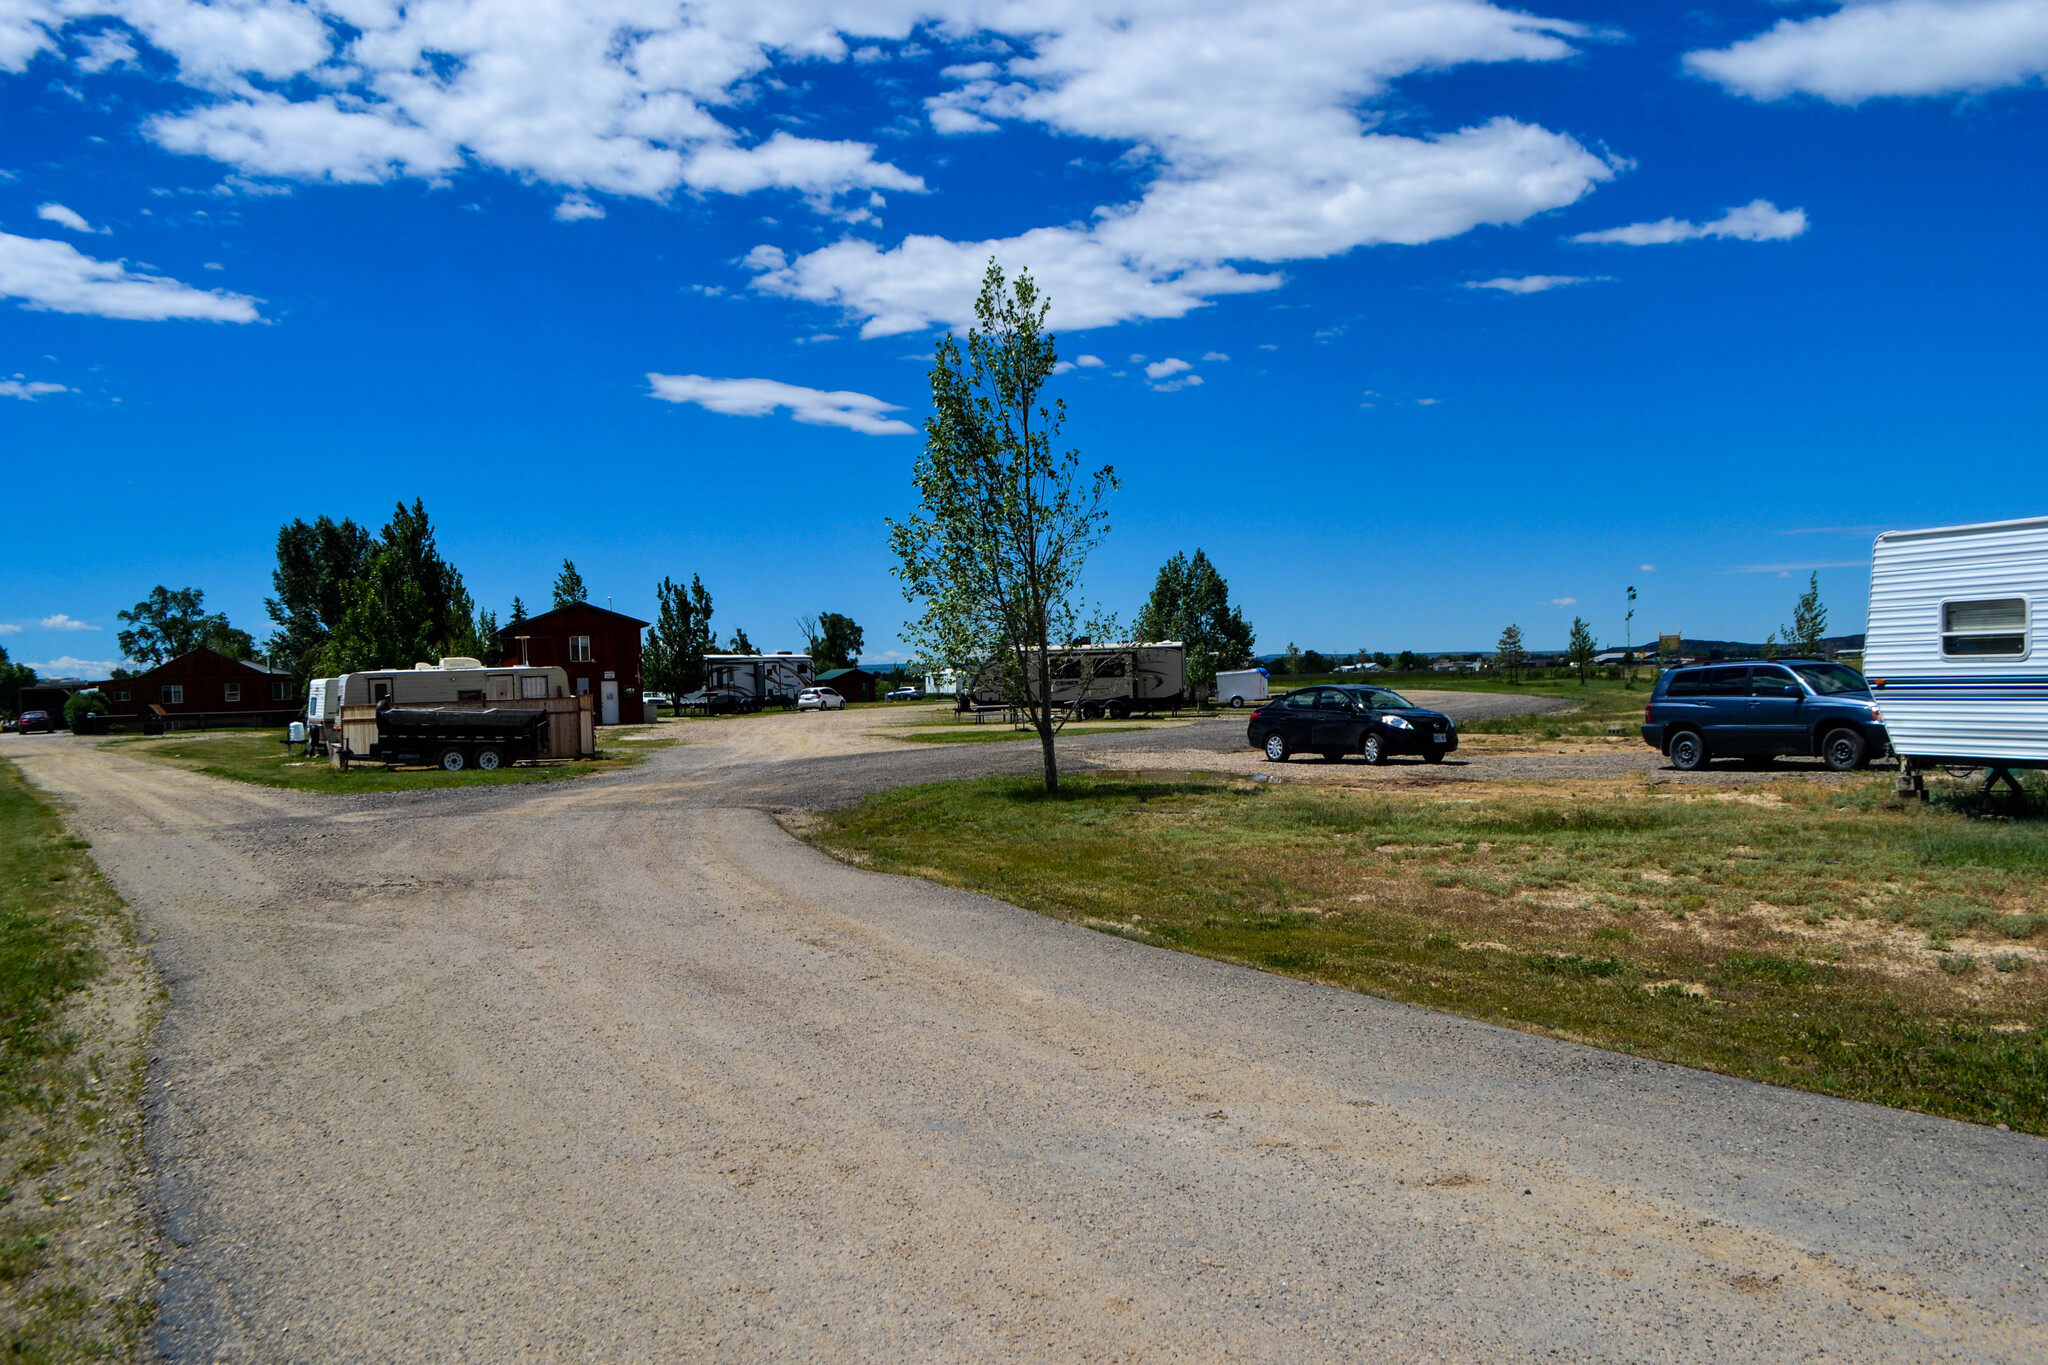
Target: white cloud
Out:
[760,397]
[105,49]
[57,277]
[1879,48]
[68,666]
[62,622]
[1526,284]
[575,208]
[1089,362]
[1646,568]
[1564,602]
[1215,356]
[29,390]
[1427,402]
[1757,221]
[8,628]
[1186,381]
[1160,369]
[63,217]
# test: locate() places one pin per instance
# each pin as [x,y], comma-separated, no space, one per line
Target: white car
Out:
[820,699]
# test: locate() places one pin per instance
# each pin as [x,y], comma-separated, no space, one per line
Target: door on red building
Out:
[611,703]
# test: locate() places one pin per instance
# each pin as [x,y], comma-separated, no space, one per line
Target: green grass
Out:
[1802,941]
[58,1302]
[261,756]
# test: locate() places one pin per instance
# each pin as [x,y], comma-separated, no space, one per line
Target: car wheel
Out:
[1237,702]
[454,760]
[1844,750]
[1688,752]
[1276,747]
[1372,749]
[489,760]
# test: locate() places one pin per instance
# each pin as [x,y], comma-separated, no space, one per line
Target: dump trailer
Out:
[458,737]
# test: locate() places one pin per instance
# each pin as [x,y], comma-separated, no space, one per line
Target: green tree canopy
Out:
[672,660]
[13,677]
[1509,654]
[569,588]
[518,614]
[1809,621]
[1190,602]
[408,606]
[317,565]
[170,623]
[1580,649]
[80,705]
[832,640]
[1004,524]
[740,644]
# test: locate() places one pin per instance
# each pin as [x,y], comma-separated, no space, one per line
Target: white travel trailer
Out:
[1950,645]
[1110,679]
[748,682]
[452,681]
[1243,687]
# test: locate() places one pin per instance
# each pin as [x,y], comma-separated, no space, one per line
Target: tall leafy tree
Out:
[1004,524]
[408,605]
[673,657]
[569,588]
[13,677]
[1580,649]
[1190,602]
[1510,655]
[740,644]
[168,623]
[317,564]
[1809,621]
[832,640]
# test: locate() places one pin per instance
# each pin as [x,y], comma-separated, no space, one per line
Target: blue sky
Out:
[1494,312]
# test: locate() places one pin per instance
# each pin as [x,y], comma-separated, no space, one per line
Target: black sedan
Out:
[1373,722]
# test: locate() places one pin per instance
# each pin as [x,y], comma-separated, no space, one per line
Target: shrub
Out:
[83,706]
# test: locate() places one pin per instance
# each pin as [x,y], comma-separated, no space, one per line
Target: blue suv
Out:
[1754,712]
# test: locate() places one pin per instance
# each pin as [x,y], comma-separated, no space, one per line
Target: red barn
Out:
[598,649]
[200,689]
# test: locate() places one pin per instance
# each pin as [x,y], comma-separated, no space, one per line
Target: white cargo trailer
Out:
[1110,679]
[1243,687]
[748,682]
[1949,649]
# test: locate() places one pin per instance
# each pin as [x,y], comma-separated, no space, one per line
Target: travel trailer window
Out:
[1986,629]
[380,689]
[533,689]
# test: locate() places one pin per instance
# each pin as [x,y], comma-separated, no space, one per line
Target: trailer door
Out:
[611,703]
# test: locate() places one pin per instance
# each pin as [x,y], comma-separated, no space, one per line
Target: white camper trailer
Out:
[1111,679]
[1243,687]
[748,682]
[451,682]
[1949,650]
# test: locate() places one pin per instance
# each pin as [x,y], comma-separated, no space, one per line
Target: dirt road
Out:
[616,1070]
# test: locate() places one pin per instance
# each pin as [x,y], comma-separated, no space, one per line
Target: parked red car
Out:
[36,720]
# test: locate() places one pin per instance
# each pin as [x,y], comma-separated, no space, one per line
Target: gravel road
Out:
[617,1070]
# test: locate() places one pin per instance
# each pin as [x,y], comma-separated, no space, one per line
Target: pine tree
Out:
[569,588]
[1581,649]
[518,614]
[1509,654]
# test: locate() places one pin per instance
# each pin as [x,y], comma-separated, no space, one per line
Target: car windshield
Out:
[1831,679]
[1384,699]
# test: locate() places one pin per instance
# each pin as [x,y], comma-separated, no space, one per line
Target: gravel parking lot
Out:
[616,1069]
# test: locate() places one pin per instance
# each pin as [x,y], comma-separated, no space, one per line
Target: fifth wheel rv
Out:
[1112,680]
[748,682]
[1950,645]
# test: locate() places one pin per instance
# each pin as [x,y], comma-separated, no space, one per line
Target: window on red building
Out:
[579,649]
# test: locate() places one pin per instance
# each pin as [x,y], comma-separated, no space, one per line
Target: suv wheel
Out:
[1844,750]
[1688,752]
[1372,749]
[1276,748]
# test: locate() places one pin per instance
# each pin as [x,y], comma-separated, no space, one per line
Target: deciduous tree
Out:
[673,658]
[317,565]
[13,677]
[832,640]
[408,606]
[1190,602]
[1809,621]
[1004,523]
[167,624]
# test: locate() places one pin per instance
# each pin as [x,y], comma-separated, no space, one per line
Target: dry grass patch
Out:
[1817,938]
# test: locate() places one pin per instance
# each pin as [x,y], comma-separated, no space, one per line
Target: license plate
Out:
[1443,739]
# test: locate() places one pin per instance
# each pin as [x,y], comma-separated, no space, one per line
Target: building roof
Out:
[517,628]
[832,673]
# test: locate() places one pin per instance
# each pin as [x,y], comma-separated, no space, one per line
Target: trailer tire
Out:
[1119,710]
[490,758]
[1688,751]
[452,760]
[1844,750]
[1237,702]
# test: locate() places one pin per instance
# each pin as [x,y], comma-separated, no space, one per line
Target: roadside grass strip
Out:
[1810,936]
[76,1002]
[262,757]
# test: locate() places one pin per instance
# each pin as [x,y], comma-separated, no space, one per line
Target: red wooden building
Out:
[598,649]
[200,689]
